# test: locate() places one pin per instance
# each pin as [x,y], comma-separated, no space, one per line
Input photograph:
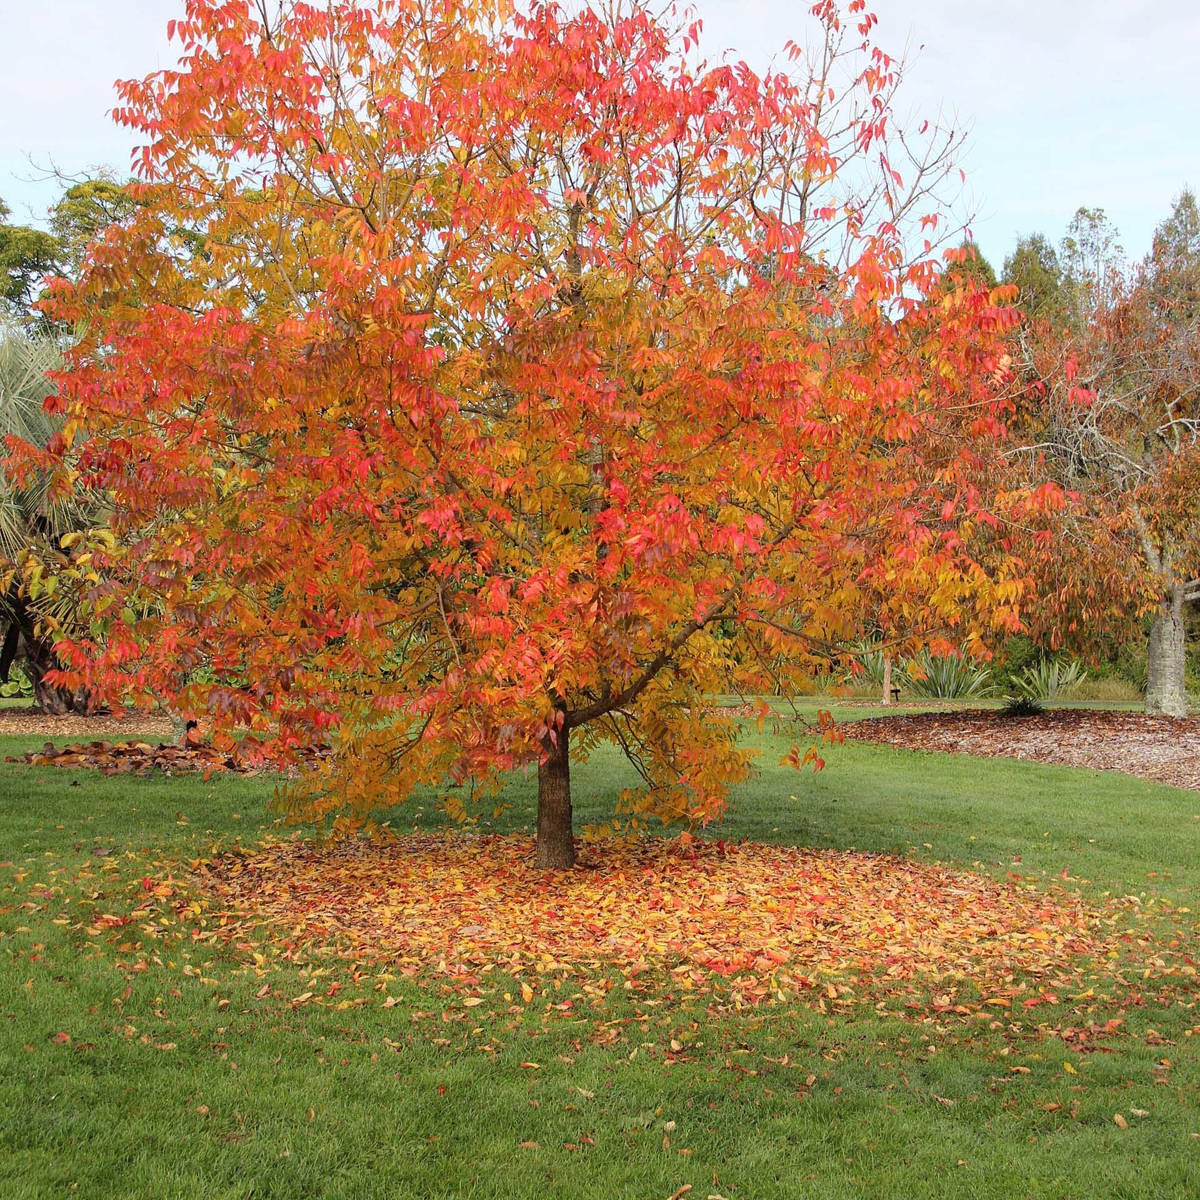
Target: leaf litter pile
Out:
[749,920]
[169,758]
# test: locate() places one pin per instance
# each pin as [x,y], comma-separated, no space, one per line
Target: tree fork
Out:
[555,824]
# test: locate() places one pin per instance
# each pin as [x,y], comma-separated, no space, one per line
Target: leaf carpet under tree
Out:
[749,919]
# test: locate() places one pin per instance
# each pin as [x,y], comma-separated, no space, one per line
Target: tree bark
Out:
[887,679]
[39,658]
[555,827]
[1166,694]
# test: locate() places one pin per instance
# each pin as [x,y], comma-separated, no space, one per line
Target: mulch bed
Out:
[1164,749]
[15,722]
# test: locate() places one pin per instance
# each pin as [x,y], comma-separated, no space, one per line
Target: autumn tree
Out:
[1115,371]
[478,385]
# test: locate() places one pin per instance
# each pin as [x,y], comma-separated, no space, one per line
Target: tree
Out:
[531,386]
[1034,270]
[968,267]
[27,255]
[86,209]
[1114,417]
[38,595]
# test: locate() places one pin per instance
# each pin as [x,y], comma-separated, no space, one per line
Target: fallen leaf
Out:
[767,921]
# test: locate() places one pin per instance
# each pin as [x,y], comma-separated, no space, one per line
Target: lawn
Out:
[149,1064]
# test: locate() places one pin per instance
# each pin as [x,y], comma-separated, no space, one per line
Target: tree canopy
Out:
[1112,353]
[27,255]
[474,385]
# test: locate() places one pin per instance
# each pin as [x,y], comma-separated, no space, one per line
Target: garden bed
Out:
[1163,749]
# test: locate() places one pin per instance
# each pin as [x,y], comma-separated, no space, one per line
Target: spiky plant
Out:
[1049,679]
[949,677]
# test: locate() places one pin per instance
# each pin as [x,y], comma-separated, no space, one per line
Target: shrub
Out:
[18,686]
[1049,679]
[1107,690]
[868,657]
[949,677]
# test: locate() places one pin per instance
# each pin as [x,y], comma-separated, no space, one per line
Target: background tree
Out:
[533,386]
[968,267]
[27,255]
[1115,372]
[1034,270]
[38,580]
[84,211]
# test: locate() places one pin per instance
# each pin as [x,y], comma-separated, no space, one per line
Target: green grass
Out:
[262,1098]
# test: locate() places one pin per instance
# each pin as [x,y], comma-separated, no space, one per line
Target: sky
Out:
[1068,102]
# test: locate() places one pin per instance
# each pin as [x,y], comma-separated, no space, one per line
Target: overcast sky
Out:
[1070,102]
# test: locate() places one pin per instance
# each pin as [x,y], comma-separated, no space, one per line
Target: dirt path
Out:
[1164,749]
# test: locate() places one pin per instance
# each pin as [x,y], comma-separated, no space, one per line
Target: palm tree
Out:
[33,523]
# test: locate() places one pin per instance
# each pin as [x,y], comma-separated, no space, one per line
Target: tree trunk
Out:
[887,679]
[555,832]
[39,657]
[1165,692]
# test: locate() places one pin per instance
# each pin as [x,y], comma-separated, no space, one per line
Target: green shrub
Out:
[1017,653]
[1049,679]
[18,686]
[948,677]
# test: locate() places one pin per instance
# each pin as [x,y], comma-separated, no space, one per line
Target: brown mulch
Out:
[18,721]
[1164,749]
